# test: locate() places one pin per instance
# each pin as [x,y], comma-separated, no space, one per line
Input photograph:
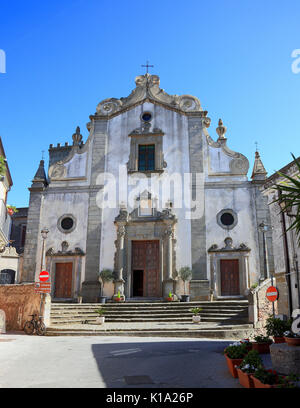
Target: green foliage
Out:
[289,194]
[106,275]
[236,351]
[185,274]
[100,312]
[2,166]
[263,339]
[13,208]
[276,327]
[170,294]
[251,362]
[196,310]
[119,295]
[254,285]
[288,381]
[266,376]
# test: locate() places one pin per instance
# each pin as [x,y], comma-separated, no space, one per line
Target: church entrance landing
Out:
[145,269]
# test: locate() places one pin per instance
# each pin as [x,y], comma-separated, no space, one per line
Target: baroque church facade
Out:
[149,192]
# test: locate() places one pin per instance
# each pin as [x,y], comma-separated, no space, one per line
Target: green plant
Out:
[119,295]
[170,295]
[289,195]
[196,310]
[262,339]
[266,376]
[288,381]
[106,275]
[100,312]
[236,351]
[2,166]
[185,274]
[13,208]
[251,362]
[255,285]
[276,327]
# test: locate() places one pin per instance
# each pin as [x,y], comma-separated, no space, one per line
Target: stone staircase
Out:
[219,319]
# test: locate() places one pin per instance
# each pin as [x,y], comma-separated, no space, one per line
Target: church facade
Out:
[149,192]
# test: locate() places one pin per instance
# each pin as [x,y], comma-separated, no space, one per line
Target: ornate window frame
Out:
[143,136]
[62,218]
[235,217]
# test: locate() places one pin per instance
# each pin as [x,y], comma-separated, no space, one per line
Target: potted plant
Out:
[248,343]
[249,365]
[100,319]
[106,275]
[263,378]
[262,344]
[196,314]
[170,297]
[11,209]
[234,355]
[185,275]
[292,339]
[118,297]
[276,327]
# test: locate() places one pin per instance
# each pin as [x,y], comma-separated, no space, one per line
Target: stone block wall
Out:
[260,308]
[18,302]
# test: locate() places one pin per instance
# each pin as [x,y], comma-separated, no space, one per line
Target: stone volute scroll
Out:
[148,88]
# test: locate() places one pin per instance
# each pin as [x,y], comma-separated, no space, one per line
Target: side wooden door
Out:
[63,280]
[230,279]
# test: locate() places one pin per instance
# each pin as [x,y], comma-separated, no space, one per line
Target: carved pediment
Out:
[147,88]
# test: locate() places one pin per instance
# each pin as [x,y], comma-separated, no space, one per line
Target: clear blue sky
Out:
[63,57]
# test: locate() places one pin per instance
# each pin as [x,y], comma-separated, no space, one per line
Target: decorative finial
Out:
[256,144]
[77,137]
[43,151]
[221,130]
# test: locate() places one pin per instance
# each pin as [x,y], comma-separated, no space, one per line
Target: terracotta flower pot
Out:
[231,363]
[258,384]
[292,341]
[245,379]
[262,348]
[10,211]
[278,340]
[169,299]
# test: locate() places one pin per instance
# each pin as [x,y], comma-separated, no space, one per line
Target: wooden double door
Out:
[230,277]
[63,280]
[145,269]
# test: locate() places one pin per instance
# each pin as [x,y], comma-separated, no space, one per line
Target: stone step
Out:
[232,334]
[150,320]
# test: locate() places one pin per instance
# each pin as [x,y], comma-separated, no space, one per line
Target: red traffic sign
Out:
[44,276]
[42,287]
[272,294]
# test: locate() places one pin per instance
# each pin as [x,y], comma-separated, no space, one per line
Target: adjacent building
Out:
[285,244]
[9,259]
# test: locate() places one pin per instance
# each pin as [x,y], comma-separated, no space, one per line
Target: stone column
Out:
[169,281]
[119,282]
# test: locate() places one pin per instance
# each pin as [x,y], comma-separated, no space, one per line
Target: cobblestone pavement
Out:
[110,362]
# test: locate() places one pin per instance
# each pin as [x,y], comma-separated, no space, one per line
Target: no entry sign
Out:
[272,294]
[44,276]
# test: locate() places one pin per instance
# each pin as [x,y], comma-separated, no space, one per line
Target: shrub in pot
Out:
[263,378]
[249,365]
[234,355]
[106,275]
[196,314]
[248,343]
[170,297]
[100,319]
[262,344]
[276,327]
[185,275]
